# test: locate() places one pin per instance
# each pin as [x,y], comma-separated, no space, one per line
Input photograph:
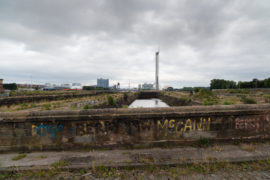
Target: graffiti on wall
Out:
[250,123]
[180,127]
[47,130]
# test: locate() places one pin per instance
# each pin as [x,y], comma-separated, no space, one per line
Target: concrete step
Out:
[135,157]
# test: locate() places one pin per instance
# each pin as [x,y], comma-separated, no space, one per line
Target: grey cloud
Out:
[82,40]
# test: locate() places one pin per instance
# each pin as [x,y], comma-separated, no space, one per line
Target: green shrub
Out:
[23,106]
[196,90]
[124,106]
[202,142]
[125,96]
[208,102]
[82,171]
[227,102]
[248,100]
[58,164]
[240,91]
[87,106]
[47,107]
[18,157]
[110,100]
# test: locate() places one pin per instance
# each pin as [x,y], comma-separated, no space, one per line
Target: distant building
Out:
[77,86]
[104,83]
[168,88]
[1,86]
[146,86]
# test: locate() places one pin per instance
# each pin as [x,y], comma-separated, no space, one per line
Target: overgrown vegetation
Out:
[18,157]
[202,142]
[247,100]
[110,100]
[227,102]
[240,91]
[59,164]
[207,97]
[125,96]
[87,106]
[11,86]
[157,172]
[47,107]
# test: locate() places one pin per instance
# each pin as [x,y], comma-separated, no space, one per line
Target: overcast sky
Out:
[62,41]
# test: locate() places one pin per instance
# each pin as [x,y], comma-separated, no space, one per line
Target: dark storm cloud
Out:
[81,40]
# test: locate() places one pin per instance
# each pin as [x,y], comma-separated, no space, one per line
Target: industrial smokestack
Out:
[157,71]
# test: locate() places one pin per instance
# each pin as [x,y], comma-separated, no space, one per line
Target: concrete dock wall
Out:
[66,130]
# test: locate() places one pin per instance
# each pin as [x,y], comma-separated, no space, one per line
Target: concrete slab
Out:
[137,157]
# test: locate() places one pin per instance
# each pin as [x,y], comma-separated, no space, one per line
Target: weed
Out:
[43,157]
[23,106]
[227,102]
[174,172]
[207,102]
[247,100]
[129,161]
[126,152]
[58,164]
[240,91]
[248,147]
[32,106]
[47,107]
[18,157]
[218,148]
[235,142]
[102,171]
[202,142]
[87,106]
[125,96]
[124,106]
[10,175]
[211,158]
[110,100]
[82,171]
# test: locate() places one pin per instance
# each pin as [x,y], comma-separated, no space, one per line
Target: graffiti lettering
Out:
[247,123]
[47,130]
[183,126]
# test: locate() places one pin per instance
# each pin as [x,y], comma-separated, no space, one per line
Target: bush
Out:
[12,86]
[227,102]
[20,156]
[23,106]
[204,93]
[87,106]
[208,102]
[125,96]
[47,107]
[248,100]
[110,100]
[196,90]
[241,91]
[203,142]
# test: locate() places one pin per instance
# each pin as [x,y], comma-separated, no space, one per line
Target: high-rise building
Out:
[104,83]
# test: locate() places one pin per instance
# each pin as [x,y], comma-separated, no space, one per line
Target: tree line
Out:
[227,84]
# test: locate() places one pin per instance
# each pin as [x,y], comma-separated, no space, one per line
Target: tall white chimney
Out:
[157,71]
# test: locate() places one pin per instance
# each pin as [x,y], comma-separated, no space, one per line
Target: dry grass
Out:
[248,147]
[64,104]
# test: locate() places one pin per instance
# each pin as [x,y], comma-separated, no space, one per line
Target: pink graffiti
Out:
[247,123]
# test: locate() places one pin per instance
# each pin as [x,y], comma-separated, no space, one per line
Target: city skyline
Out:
[199,41]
